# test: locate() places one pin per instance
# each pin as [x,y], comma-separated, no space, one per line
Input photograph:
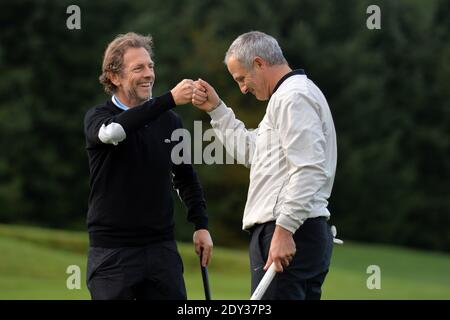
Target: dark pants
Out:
[304,277]
[151,272]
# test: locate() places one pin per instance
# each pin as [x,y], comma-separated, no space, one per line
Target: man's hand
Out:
[204,97]
[203,242]
[182,92]
[282,249]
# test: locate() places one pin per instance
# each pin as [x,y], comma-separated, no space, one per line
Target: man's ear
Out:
[259,62]
[114,78]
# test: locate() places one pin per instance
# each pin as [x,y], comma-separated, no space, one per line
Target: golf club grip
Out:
[264,283]
[205,279]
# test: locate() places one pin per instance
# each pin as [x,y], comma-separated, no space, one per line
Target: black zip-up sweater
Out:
[130,201]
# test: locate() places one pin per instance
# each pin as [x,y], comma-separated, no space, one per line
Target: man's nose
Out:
[243,88]
[149,72]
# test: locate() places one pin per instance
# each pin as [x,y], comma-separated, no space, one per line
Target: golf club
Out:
[270,273]
[205,278]
[264,283]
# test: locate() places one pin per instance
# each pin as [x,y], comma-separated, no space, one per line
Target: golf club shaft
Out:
[264,283]
[205,279]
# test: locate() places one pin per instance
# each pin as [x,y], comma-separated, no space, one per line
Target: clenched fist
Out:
[204,97]
[182,92]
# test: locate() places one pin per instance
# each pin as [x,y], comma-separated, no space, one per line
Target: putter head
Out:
[334,233]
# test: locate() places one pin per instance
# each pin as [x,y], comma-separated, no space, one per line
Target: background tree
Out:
[388,90]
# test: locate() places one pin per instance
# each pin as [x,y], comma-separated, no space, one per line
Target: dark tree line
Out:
[389,91]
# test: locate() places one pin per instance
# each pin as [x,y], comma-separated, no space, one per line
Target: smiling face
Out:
[253,80]
[135,82]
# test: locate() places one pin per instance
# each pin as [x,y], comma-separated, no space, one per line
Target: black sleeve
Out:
[131,120]
[93,120]
[186,182]
[135,118]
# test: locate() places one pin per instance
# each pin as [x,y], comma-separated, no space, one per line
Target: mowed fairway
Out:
[34,261]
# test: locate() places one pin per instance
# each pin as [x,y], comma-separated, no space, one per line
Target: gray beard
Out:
[133,96]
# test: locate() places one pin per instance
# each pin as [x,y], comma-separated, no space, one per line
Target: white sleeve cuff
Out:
[218,112]
[113,133]
[289,223]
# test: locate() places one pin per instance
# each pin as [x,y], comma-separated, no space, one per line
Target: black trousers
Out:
[153,272]
[304,277]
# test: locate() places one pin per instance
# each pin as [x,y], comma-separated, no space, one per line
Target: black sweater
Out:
[130,201]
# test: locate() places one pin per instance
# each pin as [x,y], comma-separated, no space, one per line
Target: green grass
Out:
[33,265]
